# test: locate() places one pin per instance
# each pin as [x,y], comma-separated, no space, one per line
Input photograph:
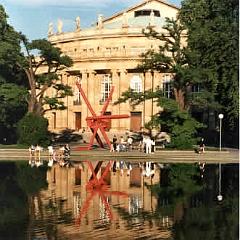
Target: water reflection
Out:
[118,199]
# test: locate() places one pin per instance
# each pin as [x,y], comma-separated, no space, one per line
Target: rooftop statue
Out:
[78,22]
[50,29]
[100,21]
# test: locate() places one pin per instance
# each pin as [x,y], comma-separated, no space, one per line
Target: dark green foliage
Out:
[13,107]
[171,58]
[52,60]
[66,136]
[33,129]
[181,126]
[17,182]
[177,123]
[213,39]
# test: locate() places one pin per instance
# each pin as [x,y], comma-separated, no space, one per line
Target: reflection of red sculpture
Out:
[98,186]
[99,122]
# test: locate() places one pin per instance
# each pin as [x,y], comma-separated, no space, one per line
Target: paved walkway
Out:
[159,156]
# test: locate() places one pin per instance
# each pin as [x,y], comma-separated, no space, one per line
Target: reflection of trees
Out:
[17,181]
[202,217]
[218,222]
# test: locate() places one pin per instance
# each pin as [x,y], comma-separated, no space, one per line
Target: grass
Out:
[13,146]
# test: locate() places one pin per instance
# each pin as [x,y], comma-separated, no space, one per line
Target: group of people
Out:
[146,145]
[122,145]
[61,155]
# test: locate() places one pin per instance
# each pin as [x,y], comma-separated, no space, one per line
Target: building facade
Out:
[107,55]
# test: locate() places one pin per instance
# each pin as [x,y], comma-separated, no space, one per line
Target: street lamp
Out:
[220,197]
[220,116]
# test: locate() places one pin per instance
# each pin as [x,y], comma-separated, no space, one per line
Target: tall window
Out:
[136,83]
[167,86]
[77,94]
[105,87]
[196,88]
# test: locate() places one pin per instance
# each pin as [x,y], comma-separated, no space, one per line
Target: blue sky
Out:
[33,16]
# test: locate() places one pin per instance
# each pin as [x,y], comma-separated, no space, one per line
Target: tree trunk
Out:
[180,98]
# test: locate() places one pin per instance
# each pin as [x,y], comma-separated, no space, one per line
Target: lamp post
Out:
[220,197]
[220,116]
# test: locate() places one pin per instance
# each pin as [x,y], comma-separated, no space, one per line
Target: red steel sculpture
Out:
[100,122]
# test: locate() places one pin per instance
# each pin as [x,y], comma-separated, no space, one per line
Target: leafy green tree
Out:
[10,50]
[42,71]
[177,123]
[13,106]
[33,129]
[12,96]
[171,58]
[213,31]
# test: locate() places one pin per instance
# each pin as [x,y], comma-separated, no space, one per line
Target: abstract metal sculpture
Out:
[100,122]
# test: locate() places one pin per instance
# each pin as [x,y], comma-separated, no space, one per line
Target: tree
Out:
[33,130]
[13,106]
[10,50]
[213,40]
[170,58]
[12,95]
[40,80]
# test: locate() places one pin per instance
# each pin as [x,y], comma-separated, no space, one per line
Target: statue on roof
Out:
[78,21]
[100,21]
[50,29]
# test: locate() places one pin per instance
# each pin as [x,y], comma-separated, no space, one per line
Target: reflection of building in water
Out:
[68,187]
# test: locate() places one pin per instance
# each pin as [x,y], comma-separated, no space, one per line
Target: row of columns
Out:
[121,81]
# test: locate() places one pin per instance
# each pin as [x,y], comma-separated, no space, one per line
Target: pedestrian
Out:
[114,142]
[50,152]
[153,146]
[31,151]
[66,151]
[148,145]
[144,144]
[129,143]
[201,146]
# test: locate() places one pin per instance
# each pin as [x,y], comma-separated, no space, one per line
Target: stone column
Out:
[91,88]
[62,116]
[84,107]
[123,108]
[148,103]
[115,108]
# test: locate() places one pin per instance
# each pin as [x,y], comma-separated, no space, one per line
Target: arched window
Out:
[136,83]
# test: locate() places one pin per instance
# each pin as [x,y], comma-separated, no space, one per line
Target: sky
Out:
[32,17]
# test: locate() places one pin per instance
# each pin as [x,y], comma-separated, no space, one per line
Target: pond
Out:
[119,200]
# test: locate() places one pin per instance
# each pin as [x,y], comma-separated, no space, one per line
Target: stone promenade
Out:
[231,156]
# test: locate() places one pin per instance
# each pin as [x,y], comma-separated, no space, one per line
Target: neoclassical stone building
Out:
[107,55]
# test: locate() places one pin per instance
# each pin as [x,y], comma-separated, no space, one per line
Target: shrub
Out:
[33,129]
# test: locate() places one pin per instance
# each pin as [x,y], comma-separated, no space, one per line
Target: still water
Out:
[118,200]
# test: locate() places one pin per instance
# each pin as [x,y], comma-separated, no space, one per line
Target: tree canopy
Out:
[42,72]
[213,30]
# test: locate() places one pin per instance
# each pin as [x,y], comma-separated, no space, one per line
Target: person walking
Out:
[114,142]
[201,146]
[129,143]
[148,145]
